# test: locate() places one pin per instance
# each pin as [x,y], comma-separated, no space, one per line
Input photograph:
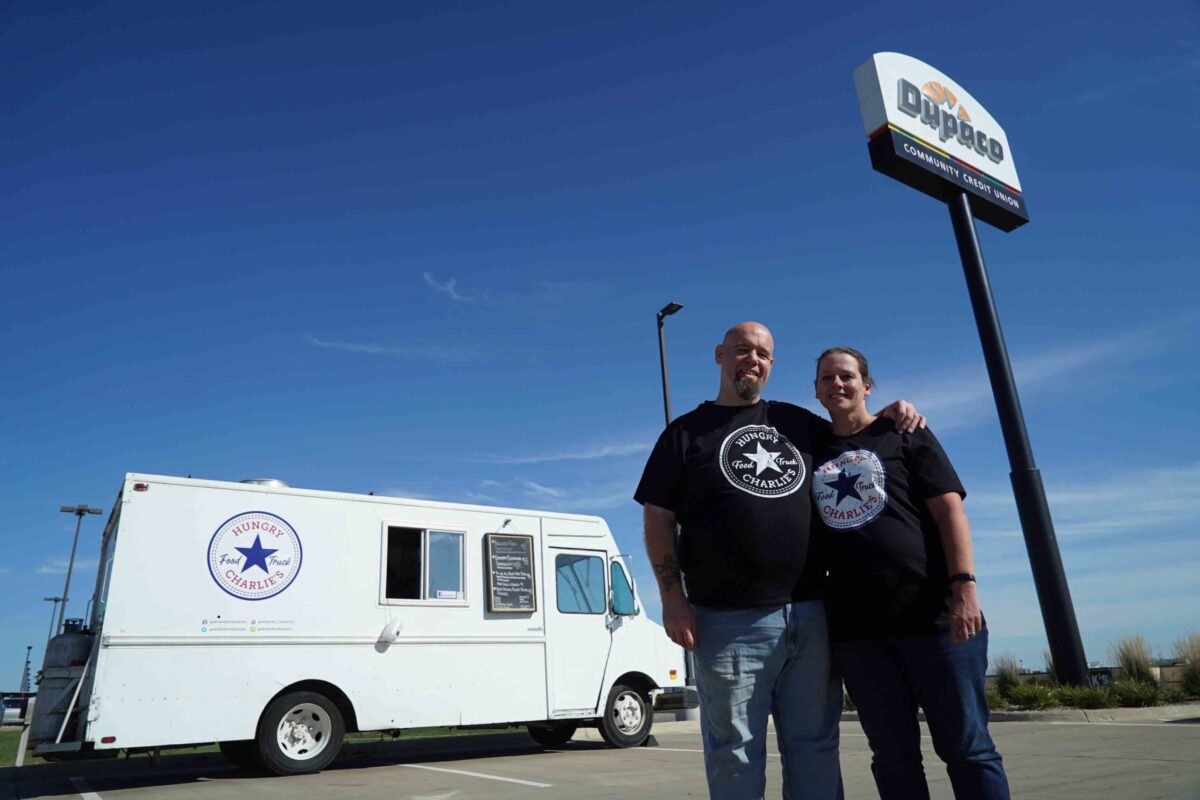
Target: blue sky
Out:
[419,252]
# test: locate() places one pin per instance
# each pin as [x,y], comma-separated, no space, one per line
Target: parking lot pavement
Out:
[1044,759]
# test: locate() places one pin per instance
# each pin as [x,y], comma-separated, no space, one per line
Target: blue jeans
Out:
[888,679]
[751,662]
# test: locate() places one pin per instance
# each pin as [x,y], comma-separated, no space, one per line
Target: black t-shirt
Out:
[887,568]
[737,478]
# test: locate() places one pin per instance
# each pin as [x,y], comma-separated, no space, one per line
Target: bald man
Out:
[739,585]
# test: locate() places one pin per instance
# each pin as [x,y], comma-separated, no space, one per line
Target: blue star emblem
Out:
[843,484]
[256,554]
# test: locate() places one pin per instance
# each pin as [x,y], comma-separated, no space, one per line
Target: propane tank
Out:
[66,655]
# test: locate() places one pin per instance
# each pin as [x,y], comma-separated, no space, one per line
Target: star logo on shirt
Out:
[256,554]
[764,459]
[844,485]
[748,464]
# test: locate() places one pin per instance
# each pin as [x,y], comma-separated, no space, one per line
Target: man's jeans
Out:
[753,662]
[888,679]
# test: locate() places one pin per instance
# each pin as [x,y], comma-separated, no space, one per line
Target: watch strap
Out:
[963,576]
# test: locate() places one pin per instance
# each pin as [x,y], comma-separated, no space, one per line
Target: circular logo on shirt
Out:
[850,490]
[254,555]
[760,460]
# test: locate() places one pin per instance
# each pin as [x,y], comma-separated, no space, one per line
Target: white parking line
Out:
[681,750]
[1162,724]
[462,772]
[84,790]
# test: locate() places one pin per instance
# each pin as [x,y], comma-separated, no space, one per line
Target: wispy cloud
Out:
[1130,504]
[585,453]
[963,397]
[406,493]
[58,566]
[522,492]
[537,488]
[451,290]
[398,351]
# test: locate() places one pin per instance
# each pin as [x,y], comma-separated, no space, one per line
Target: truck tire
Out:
[241,754]
[299,732]
[552,734]
[627,717]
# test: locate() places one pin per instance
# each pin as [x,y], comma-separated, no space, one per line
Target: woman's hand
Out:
[966,618]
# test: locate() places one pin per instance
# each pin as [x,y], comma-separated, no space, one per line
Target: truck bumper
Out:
[674,698]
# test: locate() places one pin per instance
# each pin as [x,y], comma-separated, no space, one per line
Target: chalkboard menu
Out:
[510,573]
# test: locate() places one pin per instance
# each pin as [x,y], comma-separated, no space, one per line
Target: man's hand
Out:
[679,620]
[966,619]
[906,417]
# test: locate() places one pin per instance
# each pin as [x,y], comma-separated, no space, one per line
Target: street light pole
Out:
[25,673]
[689,664]
[79,512]
[53,614]
[665,311]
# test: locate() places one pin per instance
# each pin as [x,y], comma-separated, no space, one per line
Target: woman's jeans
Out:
[888,679]
[755,662]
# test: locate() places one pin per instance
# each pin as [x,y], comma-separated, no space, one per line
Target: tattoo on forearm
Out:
[667,572]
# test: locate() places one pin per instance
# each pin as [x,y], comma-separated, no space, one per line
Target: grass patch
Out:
[1173,696]
[1187,647]
[1136,694]
[10,737]
[1008,672]
[1031,696]
[1084,697]
[1132,654]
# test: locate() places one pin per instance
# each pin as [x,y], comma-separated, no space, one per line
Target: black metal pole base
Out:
[1054,597]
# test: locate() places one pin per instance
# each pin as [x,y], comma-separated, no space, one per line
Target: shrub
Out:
[1132,654]
[1187,647]
[1051,673]
[1136,694]
[995,701]
[1031,696]
[1084,697]
[1173,695]
[1008,671]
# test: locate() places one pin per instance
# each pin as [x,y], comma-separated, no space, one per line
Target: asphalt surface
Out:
[1048,758]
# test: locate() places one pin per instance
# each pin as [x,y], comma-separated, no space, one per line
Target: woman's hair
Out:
[864,371]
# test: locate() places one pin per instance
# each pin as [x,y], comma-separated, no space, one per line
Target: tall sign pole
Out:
[907,105]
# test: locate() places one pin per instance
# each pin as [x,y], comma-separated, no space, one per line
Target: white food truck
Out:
[273,620]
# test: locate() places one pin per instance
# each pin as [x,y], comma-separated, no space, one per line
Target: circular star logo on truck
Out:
[760,460]
[254,555]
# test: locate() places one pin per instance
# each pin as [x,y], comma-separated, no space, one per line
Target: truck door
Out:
[579,637]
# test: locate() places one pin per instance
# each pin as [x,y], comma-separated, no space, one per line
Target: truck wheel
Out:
[552,734]
[298,733]
[241,754]
[627,717]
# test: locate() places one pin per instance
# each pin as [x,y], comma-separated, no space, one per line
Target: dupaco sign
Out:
[928,132]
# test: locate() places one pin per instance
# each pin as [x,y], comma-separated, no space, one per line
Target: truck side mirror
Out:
[622,601]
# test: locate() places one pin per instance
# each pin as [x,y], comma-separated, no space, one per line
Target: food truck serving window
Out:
[424,564]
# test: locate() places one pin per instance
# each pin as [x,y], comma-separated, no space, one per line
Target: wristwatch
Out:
[962,576]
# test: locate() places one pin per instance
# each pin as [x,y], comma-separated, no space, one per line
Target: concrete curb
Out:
[1184,711]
